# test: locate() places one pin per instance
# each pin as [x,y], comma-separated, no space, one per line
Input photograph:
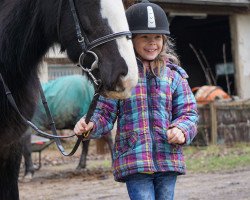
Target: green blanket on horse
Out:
[68,98]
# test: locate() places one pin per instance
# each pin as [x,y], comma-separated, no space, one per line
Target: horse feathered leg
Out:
[9,170]
[85,148]
[27,150]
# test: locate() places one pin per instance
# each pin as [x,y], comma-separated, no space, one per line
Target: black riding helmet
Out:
[147,18]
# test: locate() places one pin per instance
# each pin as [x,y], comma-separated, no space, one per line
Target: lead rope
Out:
[80,138]
[53,127]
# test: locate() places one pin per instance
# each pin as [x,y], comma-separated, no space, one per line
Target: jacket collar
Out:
[139,62]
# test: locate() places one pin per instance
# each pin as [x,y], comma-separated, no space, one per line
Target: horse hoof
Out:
[27,178]
[80,168]
[36,167]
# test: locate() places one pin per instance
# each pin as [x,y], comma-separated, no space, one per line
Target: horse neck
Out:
[25,36]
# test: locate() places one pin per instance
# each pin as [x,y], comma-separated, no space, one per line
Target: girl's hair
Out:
[167,55]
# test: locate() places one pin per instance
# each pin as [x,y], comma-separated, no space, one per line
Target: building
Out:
[56,64]
[212,37]
[219,33]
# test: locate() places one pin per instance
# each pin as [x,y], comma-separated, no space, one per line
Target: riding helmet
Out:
[147,18]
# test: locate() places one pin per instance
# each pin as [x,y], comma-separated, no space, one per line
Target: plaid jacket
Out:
[156,104]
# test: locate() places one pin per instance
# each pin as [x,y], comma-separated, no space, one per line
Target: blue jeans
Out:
[157,186]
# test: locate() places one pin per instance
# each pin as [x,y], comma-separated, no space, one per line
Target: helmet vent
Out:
[151,17]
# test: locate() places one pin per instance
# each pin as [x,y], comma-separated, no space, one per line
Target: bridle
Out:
[86,47]
[85,44]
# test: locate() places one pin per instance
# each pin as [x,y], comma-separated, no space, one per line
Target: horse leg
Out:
[27,151]
[108,138]
[85,148]
[10,161]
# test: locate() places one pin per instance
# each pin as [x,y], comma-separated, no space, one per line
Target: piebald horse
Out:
[94,30]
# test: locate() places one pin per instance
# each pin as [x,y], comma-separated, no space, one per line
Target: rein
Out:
[55,136]
[39,132]
[86,47]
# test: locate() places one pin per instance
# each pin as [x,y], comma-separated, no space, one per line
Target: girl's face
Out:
[148,46]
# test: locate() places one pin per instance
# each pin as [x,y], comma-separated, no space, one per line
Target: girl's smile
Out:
[148,46]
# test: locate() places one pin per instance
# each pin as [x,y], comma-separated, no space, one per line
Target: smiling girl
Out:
[157,120]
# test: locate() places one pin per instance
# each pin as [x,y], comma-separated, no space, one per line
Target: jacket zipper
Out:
[150,125]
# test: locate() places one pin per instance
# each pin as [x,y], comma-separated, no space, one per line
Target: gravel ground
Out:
[58,179]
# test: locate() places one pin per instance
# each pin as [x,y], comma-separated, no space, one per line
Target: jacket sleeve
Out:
[184,108]
[104,117]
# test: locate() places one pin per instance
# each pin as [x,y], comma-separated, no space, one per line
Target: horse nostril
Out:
[115,86]
[120,86]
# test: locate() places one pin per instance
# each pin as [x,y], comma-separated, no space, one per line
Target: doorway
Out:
[208,36]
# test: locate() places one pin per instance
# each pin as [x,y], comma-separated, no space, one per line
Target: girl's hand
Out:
[81,127]
[175,136]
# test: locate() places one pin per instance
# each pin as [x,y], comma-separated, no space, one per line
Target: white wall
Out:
[43,72]
[53,52]
[240,31]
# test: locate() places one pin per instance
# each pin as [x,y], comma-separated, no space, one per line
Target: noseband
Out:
[85,44]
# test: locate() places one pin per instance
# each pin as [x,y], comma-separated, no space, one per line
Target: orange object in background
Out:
[207,93]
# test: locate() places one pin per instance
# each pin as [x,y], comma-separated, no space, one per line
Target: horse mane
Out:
[128,3]
[26,33]
[21,32]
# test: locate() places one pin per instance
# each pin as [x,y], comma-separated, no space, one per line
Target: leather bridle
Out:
[85,44]
[86,47]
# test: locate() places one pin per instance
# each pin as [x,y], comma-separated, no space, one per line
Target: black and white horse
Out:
[28,28]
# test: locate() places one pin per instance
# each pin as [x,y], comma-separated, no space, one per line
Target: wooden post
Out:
[101,146]
[213,114]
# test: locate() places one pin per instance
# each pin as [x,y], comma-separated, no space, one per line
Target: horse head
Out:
[117,67]
[29,28]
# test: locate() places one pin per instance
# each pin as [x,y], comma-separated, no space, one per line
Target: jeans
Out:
[157,186]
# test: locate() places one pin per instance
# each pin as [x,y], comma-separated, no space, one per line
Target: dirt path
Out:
[228,186]
[58,180]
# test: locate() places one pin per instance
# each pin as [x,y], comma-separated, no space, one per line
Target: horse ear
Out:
[128,3]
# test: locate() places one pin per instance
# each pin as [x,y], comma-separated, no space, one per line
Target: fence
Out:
[223,123]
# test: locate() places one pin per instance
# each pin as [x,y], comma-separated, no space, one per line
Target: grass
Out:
[212,158]
[217,157]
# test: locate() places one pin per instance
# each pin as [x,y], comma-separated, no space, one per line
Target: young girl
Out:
[157,120]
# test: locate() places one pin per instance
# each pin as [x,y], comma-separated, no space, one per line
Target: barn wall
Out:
[224,123]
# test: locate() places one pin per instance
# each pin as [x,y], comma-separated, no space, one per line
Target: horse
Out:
[68,99]
[95,30]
